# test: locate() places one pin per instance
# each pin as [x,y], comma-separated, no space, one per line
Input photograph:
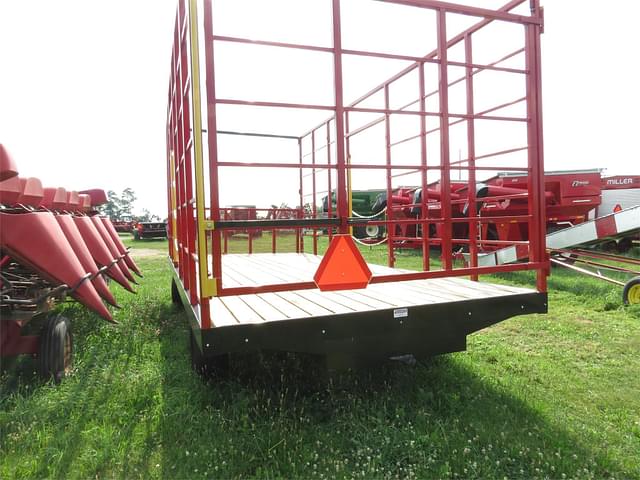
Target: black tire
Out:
[175,294]
[631,292]
[624,245]
[359,232]
[373,231]
[56,348]
[207,367]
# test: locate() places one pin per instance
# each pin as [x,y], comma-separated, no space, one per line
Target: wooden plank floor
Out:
[266,268]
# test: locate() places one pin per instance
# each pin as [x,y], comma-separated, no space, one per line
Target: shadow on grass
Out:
[280,415]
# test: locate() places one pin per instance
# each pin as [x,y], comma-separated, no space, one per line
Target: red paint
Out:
[606,226]
[13,343]
[111,230]
[10,191]
[113,250]
[74,237]
[37,241]
[97,195]
[55,198]
[32,192]
[8,168]
[99,250]
[621,182]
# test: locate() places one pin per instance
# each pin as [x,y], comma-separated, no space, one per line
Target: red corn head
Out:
[8,167]
[120,246]
[32,192]
[55,198]
[112,247]
[36,240]
[10,191]
[99,250]
[81,250]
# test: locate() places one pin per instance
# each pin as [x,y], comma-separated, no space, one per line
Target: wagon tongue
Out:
[81,250]
[120,246]
[99,251]
[112,248]
[36,240]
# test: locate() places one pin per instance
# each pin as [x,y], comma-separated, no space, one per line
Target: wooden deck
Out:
[264,269]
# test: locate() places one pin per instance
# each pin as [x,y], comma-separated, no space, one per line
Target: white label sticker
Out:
[400,312]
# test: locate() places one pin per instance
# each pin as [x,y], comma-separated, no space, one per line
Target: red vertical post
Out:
[313,188]
[341,187]
[329,171]
[387,141]
[426,260]
[226,233]
[273,240]
[212,143]
[471,155]
[445,177]
[537,223]
[299,241]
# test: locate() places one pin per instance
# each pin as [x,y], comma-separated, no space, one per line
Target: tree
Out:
[119,206]
[147,216]
[112,208]
[127,199]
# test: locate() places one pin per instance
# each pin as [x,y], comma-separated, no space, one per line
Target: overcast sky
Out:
[83,88]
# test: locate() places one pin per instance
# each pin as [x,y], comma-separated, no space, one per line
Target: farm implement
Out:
[583,248]
[312,143]
[54,246]
[571,197]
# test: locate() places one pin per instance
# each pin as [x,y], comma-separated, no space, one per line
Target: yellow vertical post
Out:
[174,207]
[208,286]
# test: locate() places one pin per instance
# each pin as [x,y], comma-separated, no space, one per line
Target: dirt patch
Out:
[147,252]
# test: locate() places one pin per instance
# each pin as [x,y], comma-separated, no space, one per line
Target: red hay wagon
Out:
[301,113]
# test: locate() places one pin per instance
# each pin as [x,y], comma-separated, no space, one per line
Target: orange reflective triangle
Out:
[342,266]
[617,208]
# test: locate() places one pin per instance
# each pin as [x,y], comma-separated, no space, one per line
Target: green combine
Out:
[362,202]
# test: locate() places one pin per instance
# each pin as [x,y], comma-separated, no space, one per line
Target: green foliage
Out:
[147,216]
[545,396]
[119,207]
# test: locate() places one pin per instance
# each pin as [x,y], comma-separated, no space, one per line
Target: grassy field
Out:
[553,396]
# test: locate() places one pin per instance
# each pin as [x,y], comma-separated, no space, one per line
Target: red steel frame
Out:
[197,224]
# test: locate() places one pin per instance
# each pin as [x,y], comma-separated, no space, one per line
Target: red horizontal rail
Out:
[468,10]
[248,103]
[417,168]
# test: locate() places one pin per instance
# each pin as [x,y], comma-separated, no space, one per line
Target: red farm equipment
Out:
[124,225]
[333,126]
[53,247]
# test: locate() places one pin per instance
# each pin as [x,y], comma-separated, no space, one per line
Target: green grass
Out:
[549,396]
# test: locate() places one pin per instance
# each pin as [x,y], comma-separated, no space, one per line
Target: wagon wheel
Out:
[175,294]
[56,348]
[207,367]
[631,292]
